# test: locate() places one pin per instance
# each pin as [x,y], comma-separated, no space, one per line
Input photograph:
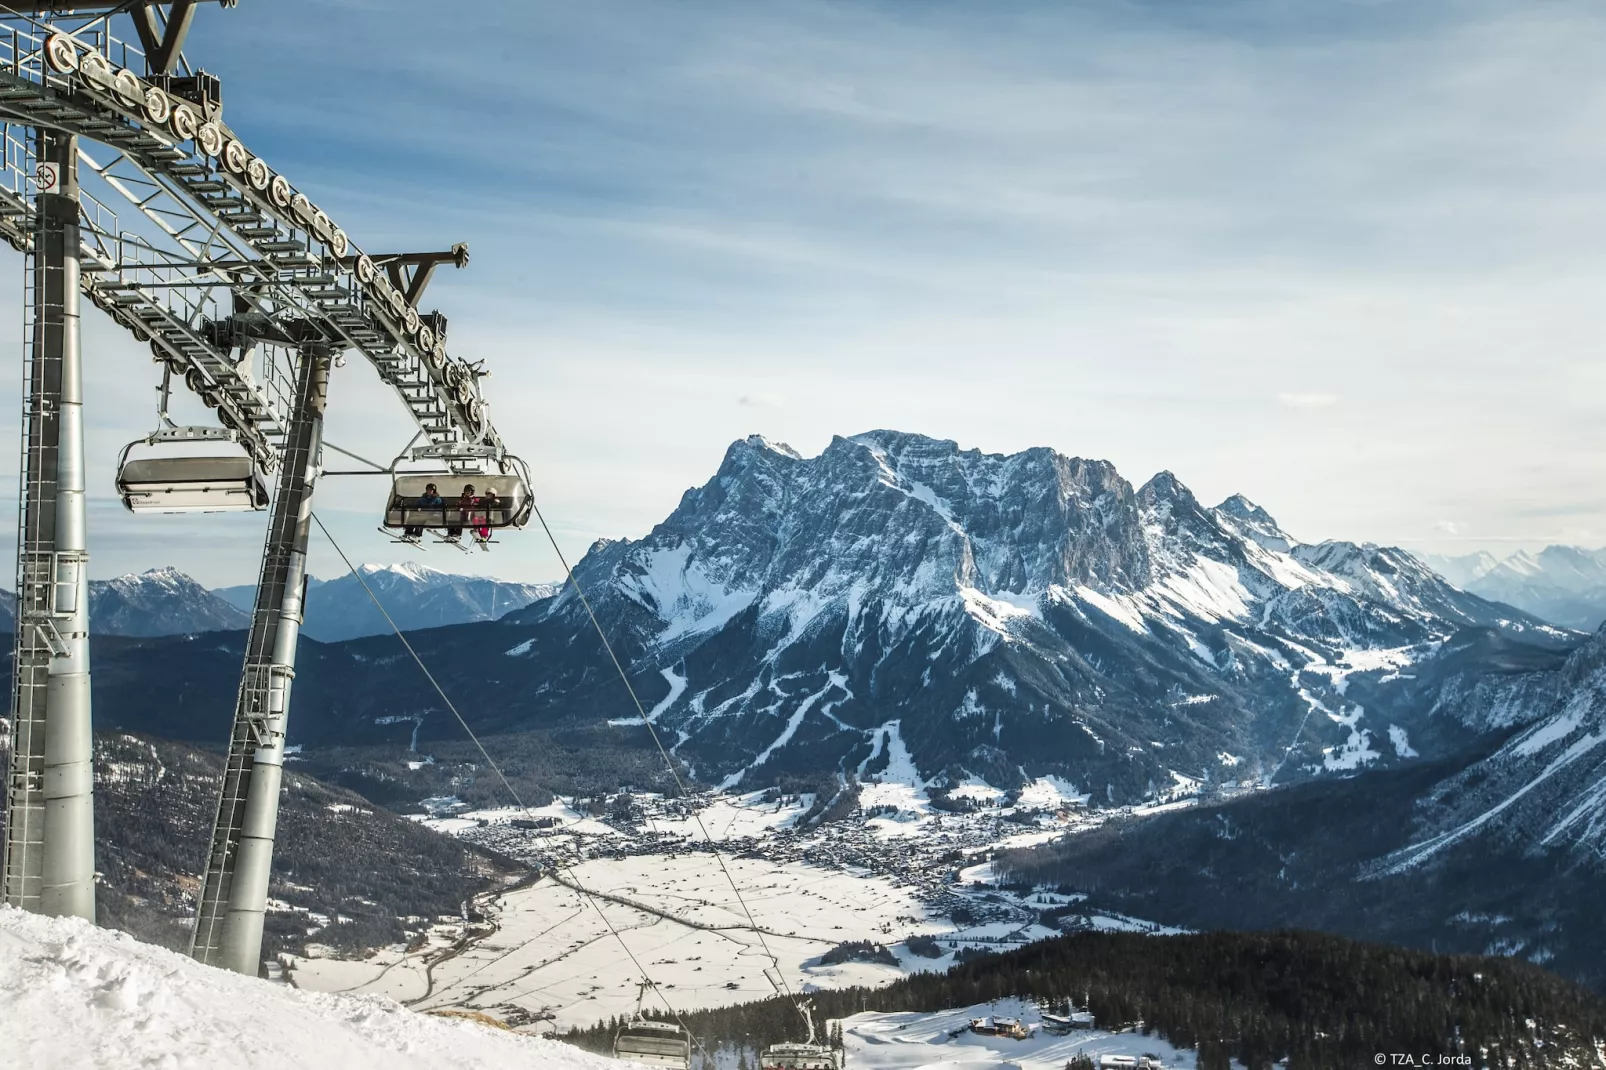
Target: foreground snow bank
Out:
[73,995]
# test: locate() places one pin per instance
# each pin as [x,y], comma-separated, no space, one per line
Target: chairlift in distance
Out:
[410,511]
[645,1040]
[808,1055]
[187,482]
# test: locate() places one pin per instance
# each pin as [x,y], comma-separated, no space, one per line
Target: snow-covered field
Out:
[80,997]
[76,997]
[913,1041]
[552,952]
[662,902]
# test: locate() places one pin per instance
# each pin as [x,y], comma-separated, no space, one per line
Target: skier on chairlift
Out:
[430,499]
[488,506]
[464,505]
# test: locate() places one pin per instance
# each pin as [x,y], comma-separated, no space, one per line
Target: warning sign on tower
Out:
[47,176]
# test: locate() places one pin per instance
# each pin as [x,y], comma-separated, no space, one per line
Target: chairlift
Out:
[454,504]
[644,1040]
[808,1055]
[187,483]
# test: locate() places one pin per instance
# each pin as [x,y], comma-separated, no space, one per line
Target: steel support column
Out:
[234,890]
[49,862]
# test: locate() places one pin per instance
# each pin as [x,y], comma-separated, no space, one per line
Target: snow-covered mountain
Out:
[416,596]
[161,601]
[1498,848]
[1565,585]
[1545,787]
[1001,617]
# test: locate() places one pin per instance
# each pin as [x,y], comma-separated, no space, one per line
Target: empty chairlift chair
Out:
[644,1040]
[191,484]
[808,1055]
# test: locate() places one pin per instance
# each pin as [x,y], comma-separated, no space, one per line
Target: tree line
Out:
[1320,1002]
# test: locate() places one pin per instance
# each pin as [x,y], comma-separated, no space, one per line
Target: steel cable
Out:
[512,792]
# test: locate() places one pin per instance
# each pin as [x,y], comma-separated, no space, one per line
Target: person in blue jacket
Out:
[430,499]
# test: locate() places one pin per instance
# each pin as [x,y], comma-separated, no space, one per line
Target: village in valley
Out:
[902,884]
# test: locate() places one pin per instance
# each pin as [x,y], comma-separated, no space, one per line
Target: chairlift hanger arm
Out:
[372,470]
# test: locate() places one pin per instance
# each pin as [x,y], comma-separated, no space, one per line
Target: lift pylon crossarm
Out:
[412,282]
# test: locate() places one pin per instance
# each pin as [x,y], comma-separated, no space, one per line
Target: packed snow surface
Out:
[74,996]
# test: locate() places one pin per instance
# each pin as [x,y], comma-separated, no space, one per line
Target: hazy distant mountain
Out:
[415,596]
[162,601]
[1565,585]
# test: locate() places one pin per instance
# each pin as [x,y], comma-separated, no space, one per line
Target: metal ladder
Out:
[25,800]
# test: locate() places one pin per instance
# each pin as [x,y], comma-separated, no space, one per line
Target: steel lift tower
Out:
[49,863]
[247,294]
[50,822]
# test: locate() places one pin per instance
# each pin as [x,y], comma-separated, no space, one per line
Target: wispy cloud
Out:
[1307,401]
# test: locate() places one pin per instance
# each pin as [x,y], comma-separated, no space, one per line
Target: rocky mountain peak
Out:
[759,442]
[1253,522]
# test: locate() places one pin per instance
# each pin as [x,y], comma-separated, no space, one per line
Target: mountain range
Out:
[900,599]
[161,601]
[1565,585]
[415,596]
[165,601]
[898,607]
[1004,618]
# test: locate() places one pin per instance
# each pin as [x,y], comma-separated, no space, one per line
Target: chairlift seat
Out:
[192,485]
[654,1043]
[404,511]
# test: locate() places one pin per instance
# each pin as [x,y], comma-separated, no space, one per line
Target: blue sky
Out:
[1344,258]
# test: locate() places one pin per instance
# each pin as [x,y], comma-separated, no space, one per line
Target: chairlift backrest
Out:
[407,508]
[192,485]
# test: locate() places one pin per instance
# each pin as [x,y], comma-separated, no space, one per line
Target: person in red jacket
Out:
[488,507]
[464,507]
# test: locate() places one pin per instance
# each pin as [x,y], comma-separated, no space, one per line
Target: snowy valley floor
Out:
[546,958]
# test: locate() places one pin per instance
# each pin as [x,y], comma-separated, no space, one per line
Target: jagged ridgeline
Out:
[897,601]
[899,604]
[1320,1002]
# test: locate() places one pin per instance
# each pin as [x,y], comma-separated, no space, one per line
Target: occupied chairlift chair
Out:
[186,482]
[447,520]
[643,1040]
